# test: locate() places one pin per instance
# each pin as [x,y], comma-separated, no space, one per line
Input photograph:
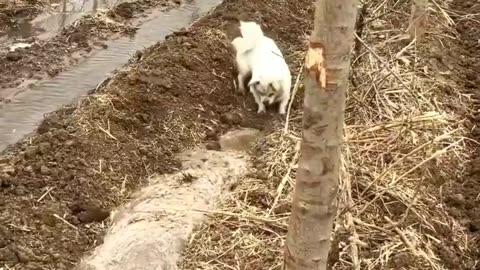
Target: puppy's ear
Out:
[253,83]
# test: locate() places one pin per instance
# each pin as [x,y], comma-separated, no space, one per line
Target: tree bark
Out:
[326,81]
[418,19]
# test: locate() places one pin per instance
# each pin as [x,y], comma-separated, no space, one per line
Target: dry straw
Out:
[402,144]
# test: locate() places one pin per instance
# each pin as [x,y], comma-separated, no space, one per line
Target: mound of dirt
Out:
[57,186]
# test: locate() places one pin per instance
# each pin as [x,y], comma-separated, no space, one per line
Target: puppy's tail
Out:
[251,34]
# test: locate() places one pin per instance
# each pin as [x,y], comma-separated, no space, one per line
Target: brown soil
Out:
[57,188]
[463,197]
[46,58]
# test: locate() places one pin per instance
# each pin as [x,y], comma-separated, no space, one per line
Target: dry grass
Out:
[402,145]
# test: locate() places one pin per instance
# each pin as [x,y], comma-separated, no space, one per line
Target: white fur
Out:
[260,56]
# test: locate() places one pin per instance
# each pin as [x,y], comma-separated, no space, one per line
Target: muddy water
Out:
[51,22]
[21,116]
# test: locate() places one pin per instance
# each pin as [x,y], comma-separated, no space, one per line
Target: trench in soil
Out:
[50,22]
[28,105]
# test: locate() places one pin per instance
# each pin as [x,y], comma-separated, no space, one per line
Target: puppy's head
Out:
[267,92]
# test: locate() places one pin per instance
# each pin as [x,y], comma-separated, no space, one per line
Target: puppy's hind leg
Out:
[286,85]
[243,75]
[241,83]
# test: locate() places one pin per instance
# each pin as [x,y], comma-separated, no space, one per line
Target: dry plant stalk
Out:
[326,82]
[418,19]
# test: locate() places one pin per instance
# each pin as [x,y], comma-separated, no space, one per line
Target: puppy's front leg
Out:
[261,106]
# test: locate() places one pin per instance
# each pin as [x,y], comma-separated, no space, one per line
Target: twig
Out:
[402,51]
[45,194]
[65,221]
[107,132]
[444,13]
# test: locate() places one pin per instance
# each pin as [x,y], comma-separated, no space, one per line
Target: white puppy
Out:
[259,56]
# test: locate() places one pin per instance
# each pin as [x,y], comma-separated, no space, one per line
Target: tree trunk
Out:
[418,19]
[314,203]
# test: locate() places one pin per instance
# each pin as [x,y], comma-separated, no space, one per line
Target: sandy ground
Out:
[57,188]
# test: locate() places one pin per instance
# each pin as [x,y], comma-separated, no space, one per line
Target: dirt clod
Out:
[213,146]
[89,212]
[45,170]
[13,56]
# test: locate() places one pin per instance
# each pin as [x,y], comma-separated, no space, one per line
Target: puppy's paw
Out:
[241,92]
[261,109]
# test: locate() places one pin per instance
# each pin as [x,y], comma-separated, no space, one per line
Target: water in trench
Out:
[51,22]
[22,115]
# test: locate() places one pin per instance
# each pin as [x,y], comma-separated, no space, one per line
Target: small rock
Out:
[474,225]
[70,143]
[7,255]
[211,135]
[164,82]
[61,135]
[456,199]
[5,233]
[215,146]
[31,151]
[44,147]
[124,10]
[28,169]
[230,118]
[5,182]
[45,170]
